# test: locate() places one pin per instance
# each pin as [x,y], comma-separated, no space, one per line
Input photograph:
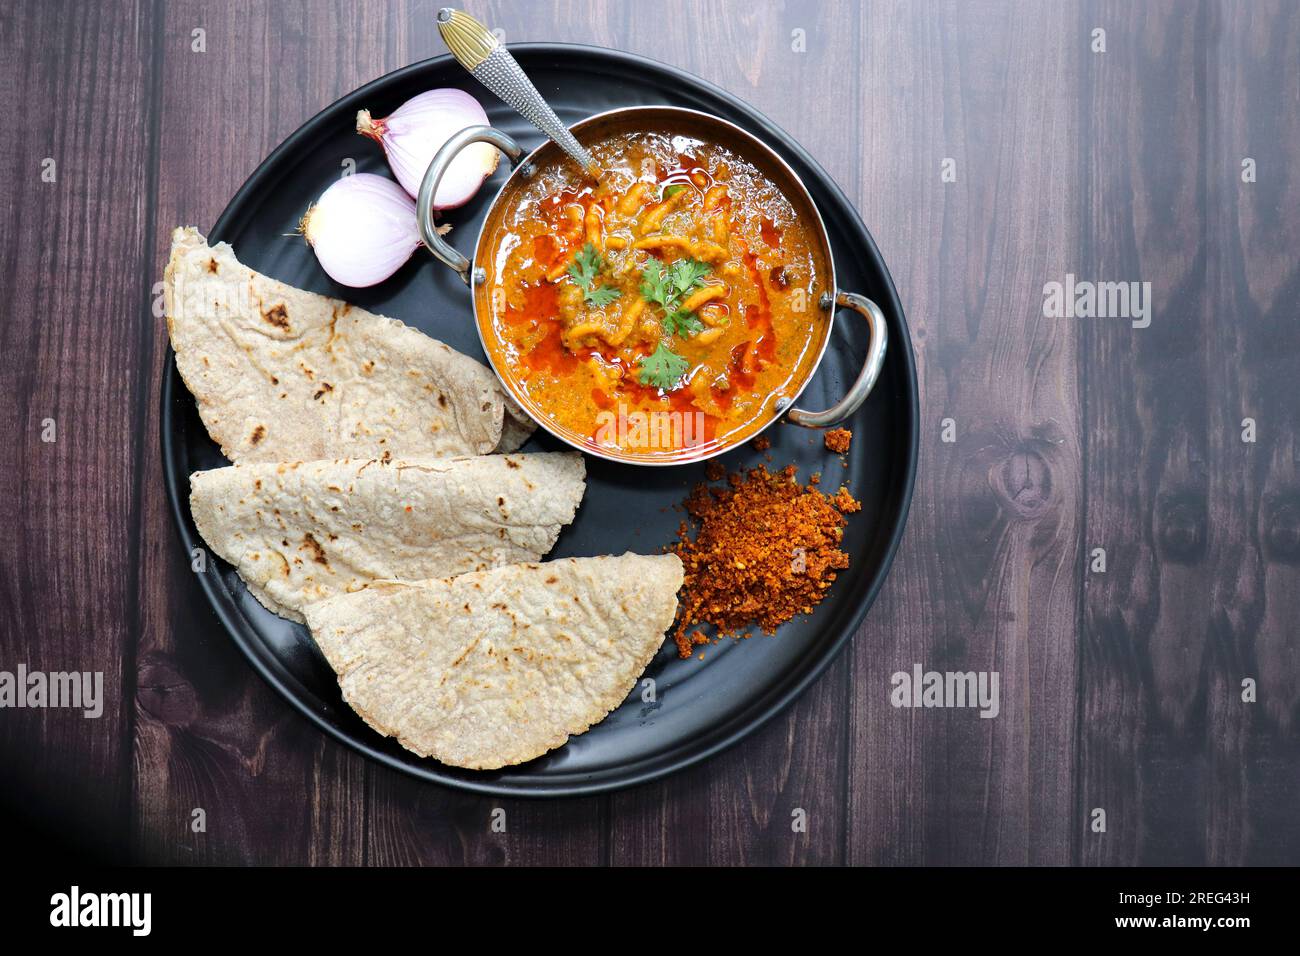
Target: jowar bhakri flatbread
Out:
[303,531]
[366,502]
[281,374]
[497,667]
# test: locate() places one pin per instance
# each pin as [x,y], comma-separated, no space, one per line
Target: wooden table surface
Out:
[1120,690]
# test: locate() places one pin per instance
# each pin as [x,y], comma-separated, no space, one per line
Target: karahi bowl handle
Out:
[439,246]
[871,367]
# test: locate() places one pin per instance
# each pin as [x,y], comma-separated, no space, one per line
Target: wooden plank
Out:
[1253,360]
[987,577]
[73,260]
[1146,625]
[211,734]
[797,66]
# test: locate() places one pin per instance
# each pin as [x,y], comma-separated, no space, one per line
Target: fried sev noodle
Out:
[765,548]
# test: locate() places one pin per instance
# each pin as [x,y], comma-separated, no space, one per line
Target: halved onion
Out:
[415,132]
[362,229]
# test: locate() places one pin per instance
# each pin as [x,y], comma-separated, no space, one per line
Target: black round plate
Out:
[700,706]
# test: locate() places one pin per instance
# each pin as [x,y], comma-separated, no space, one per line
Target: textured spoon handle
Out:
[492,65]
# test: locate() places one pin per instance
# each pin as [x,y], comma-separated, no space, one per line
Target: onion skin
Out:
[362,229]
[412,135]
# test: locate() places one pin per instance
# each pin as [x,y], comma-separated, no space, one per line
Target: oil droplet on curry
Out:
[684,282]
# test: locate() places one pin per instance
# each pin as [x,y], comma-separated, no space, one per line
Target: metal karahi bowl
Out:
[708,128]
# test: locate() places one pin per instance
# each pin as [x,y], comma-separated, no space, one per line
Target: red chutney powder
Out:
[764,549]
[838,440]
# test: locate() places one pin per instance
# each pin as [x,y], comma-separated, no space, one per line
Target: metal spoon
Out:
[478,51]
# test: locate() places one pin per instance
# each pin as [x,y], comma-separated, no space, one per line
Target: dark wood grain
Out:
[1254,370]
[74,266]
[988,575]
[1119,690]
[1198,524]
[1253,367]
[1146,620]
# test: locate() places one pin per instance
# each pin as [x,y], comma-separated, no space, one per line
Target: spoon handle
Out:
[478,51]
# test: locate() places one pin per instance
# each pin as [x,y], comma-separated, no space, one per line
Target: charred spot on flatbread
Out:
[314,548]
[278,316]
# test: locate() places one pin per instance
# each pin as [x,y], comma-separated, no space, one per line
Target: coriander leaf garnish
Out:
[687,274]
[586,266]
[666,289]
[602,296]
[682,323]
[654,284]
[662,368]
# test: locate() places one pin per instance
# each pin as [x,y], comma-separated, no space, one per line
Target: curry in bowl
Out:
[683,282]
